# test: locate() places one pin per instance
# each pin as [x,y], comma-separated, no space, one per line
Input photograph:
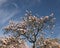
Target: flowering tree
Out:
[31,27]
[12,42]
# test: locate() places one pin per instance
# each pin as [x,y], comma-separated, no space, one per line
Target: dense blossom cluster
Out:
[12,42]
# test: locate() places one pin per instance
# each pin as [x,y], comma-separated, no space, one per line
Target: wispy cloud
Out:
[4,16]
[2,2]
[15,5]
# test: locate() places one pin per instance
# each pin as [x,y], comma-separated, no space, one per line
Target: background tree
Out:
[31,28]
[48,43]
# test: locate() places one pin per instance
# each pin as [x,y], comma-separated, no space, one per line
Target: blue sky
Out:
[15,10]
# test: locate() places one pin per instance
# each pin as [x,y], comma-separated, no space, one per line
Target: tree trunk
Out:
[33,45]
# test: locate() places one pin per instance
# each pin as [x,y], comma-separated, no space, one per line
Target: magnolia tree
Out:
[12,42]
[31,28]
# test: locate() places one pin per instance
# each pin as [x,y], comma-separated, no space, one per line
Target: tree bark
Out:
[33,45]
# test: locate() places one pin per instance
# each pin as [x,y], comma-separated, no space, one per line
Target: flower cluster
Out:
[12,42]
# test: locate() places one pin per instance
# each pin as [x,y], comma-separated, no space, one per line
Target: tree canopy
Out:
[31,28]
